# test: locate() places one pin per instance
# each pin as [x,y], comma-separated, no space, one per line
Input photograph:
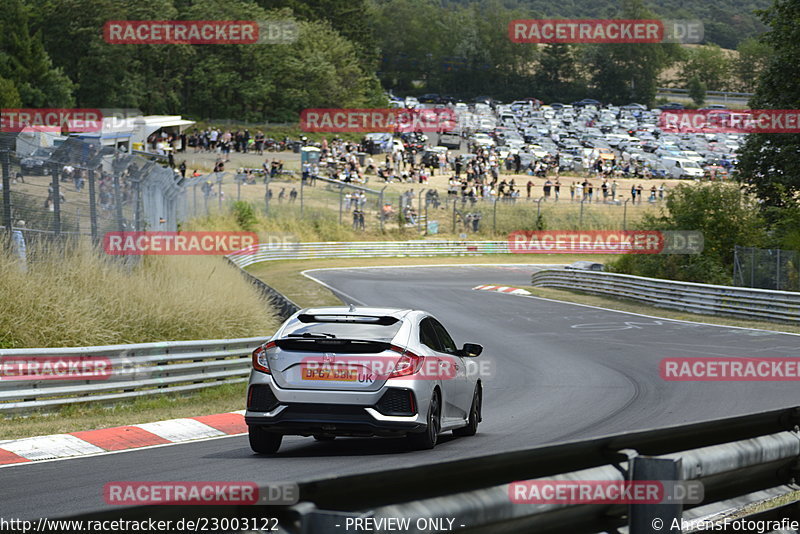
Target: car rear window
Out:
[344,327]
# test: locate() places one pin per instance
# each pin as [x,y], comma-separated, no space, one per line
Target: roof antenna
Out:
[352,307]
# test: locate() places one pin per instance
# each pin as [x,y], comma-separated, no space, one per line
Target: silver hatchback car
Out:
[339,371]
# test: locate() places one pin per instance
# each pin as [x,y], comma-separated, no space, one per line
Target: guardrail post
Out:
[454,216]
[266,193]
[419,209]
[219,191]
[654,518]
[625,214]
[6,192]
[426,218]
[380,207]
[494,218]
[302,187]
[341,192]
[92,206]
[580,219]
[57,202]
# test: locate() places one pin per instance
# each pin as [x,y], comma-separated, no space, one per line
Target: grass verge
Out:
[74,296]
[217,399]
[633,306]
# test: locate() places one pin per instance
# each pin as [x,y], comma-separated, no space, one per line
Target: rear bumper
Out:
[310,412]
[337,420]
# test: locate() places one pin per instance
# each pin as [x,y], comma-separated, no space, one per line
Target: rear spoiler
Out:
[352,346]
[383,320]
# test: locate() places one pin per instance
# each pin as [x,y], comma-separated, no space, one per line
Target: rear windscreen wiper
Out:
[313,335]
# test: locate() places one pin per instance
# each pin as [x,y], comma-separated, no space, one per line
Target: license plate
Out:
[327,373]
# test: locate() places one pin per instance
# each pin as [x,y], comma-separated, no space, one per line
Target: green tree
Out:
[769,164]
[258,82]
[558,75]
[753,57]
[726,217]
[25,62]
[709,64]
[697,91]
[9,96]
[352,19]
[622,73]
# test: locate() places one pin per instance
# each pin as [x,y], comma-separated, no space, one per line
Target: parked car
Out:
[37,163]
[338,371]
[450,140]
[585,266]
[682,168]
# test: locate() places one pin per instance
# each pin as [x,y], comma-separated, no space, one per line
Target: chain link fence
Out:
[57,187]
[766,268]
[79,188]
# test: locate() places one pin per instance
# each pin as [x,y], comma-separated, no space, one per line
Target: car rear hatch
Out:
[341,353]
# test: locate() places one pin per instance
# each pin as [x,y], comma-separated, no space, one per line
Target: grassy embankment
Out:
[81,298]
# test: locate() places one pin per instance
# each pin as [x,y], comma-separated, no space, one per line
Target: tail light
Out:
[408,364]
[260,362]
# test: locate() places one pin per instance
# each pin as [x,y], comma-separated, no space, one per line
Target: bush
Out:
[245,215]
[726,217]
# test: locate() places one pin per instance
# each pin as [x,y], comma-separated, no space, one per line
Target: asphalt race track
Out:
[560,372]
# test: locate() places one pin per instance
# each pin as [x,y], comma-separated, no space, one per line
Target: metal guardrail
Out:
[283,304]
[119,372]
[747,466]
[725,96]
[366,249]
[128,371]
[761,304]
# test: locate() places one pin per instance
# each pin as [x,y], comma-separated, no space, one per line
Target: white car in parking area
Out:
[682,168]
[482,139]
[339,371]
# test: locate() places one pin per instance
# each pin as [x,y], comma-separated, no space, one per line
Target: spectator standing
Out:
[18,246]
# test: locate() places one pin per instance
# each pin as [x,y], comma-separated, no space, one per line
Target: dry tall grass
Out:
[76,297]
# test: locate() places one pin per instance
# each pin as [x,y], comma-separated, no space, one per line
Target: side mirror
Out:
[471,350]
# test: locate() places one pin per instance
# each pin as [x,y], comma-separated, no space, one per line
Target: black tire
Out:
[428,438]
[264,442]
[474,416]
[318,437]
